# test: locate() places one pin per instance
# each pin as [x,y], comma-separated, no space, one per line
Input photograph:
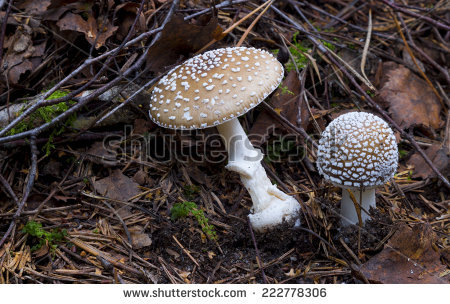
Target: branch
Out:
[416,15]
[29,187]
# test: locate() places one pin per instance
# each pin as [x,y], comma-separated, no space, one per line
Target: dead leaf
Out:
[19,50]
[99,154]
[411,101]
[410,62]
[139,237]
[126,14]
[180,38]
[143,126]
[117,187]
[408,258]
[285,100]
[94,32]
[142,178]
[33,7]
[16,71]
[438,155]
[43,250]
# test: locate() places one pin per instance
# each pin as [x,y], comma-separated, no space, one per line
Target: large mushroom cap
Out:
[357,149]
[214,87]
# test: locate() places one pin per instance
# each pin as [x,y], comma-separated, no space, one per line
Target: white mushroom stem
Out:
[348,211]
[270,205]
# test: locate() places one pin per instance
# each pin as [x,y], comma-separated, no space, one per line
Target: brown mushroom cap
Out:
[214,87]
[357,149]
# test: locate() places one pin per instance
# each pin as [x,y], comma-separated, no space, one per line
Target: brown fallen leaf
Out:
[143,126]
[33,7]
[19,50]
[139,237]
[285,101]
[180,38]
[438,155]
[407,258]
[411,101]
[142,178]
[99,154]
[96,32]
[125,15]
[117,187]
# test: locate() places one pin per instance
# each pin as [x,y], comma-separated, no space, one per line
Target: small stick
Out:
[8,189]
[186,251]
[416,15]
[258,256]
[29,187]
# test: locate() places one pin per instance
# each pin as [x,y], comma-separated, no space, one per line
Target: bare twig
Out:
[8,189]
[258,256]
[28,188]
[416,15]
[3,30]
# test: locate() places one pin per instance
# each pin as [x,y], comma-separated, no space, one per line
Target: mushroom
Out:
[213,89]
[357,152]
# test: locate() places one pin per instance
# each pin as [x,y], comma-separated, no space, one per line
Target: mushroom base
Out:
[365,198]
[271,206]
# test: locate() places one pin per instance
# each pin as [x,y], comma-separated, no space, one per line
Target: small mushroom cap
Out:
[357,149]
[214,87]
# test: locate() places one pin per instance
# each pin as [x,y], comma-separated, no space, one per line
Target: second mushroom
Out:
[357,152]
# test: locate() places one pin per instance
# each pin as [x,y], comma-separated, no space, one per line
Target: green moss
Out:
[182,210]
[370,93]
[42,237]
[45,115]
[402,153]
[328,45]
[300,59]
[285,90]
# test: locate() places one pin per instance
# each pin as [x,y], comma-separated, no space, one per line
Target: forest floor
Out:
[92,191]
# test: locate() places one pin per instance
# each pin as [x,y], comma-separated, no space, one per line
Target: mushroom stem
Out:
[348,211]
[270,205]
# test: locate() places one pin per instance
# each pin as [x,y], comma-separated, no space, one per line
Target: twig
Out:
[124,225]
[416,15]
[252,25]
[335,250]
[221,5]
[8,189]
[399,29]
[286,122]
[3,31]
[185,251]
[29,187]
[258,256]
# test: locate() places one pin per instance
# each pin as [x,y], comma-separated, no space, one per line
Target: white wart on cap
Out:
[214,87]
[357,149]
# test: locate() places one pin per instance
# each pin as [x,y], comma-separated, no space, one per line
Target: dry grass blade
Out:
[247,31]
[366,47]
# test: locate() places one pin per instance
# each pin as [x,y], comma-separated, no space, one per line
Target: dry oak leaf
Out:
[410,99]
[438,155]
[407,258]
[94,32]
[178,38]
[117,187]
[285,100]
[139,237]
[34,7]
